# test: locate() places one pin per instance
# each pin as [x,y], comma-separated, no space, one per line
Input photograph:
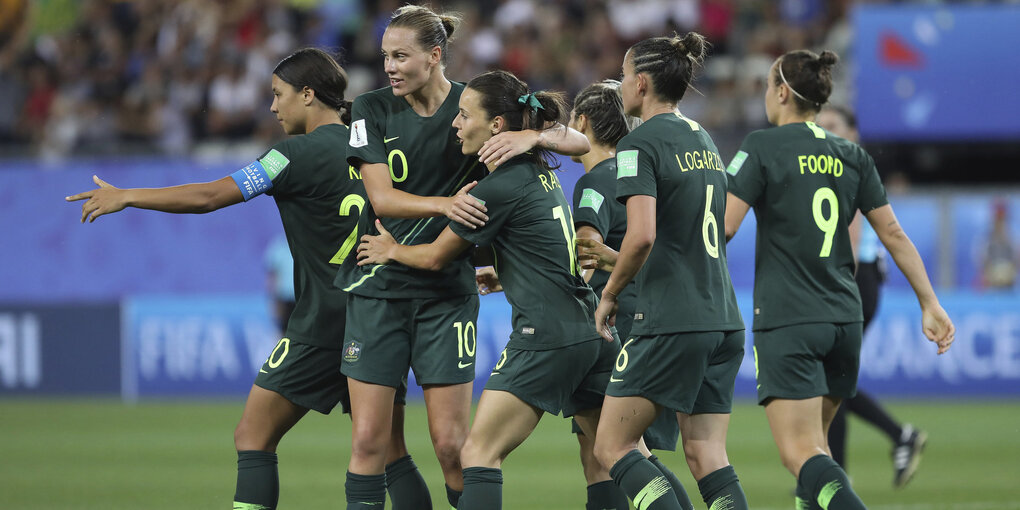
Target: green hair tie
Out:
[529,99]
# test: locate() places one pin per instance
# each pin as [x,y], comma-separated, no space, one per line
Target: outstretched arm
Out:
[383,249]
[188,198]
[389,202]
[556,138]
[935,322]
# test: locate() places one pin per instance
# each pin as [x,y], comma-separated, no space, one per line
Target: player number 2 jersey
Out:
[425,159]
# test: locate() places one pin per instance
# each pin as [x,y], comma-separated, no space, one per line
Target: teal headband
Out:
[529,99]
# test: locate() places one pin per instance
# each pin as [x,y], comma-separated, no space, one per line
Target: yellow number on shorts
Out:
[502,360]
[403,164]
[623,358]
[467,338]
[827,225]
[709,223]
[568,234]
[349,202]
[274,360]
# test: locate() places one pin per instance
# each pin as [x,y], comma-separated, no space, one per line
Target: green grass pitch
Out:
[83,454]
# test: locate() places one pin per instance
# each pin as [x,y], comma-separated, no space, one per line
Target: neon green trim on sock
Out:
[651,492]
[827,493]
[249,506]
[801,504]
[723,503]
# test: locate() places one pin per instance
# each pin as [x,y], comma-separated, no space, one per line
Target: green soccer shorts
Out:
[662,434]
[551,380]
[435,337]
[807,360]
[690,372]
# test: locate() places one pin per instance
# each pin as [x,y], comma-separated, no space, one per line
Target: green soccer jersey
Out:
[425,159]
[684,284]
[805,185]
[595,206]
[531,233]
[319,198]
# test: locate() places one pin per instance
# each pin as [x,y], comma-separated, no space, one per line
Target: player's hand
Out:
[105,199]
[938,327]
[376,249]
[503,146]
[592,254]
[605,316]
[487,280]
[466,209]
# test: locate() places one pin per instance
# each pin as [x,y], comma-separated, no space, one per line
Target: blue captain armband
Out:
[252,180]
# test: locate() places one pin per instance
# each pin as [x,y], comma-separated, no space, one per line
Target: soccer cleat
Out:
[907,454]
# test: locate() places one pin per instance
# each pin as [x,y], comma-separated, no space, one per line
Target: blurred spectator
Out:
[112,76]
[280,279]
[999,259]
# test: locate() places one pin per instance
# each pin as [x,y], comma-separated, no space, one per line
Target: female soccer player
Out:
[687,341]
[908,442]
[805,185]
[309,180]
[405,150]
[548,364]
[598,218]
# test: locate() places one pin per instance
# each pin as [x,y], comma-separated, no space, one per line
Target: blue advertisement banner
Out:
[195,346]
[71,349]
[916,81]
[896,359]
[213,346]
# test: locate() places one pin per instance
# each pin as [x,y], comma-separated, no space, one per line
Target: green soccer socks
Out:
[721,490]
[365,492]
[646,486]
[258,481]
[828,485]
[483,489]
[406,486]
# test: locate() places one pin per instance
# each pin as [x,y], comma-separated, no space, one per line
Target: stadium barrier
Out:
[64,349]
[213,346]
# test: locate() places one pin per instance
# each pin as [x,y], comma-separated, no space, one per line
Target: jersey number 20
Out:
[349,202]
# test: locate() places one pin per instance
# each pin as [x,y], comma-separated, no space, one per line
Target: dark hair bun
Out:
[450,24]
[827,59]
[692,45]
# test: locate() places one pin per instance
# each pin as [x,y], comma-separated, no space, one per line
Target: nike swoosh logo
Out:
[461,364]
[388,140]
[613,379]
[494,373]
[263,371]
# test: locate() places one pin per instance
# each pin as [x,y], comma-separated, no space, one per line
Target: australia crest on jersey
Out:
[352,351]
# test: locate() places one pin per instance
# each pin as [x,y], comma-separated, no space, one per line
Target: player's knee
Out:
[448,449]
[593,470]
[248,437]
[477,453]
[369,444]
[793,457]
[704,457]
[606,454]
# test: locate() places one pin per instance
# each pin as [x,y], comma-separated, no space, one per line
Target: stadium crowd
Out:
[103,77]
